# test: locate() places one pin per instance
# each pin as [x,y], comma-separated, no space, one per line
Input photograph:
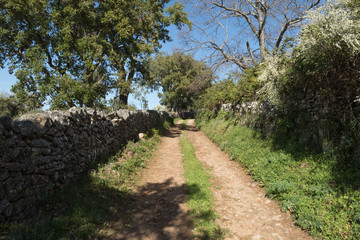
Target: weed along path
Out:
[187,162]
[241,205]
[159,210]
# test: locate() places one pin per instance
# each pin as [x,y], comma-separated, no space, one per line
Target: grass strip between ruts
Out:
[200,197]
[183,125]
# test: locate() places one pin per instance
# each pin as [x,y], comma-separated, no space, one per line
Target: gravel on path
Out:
[160,210]
[240,202]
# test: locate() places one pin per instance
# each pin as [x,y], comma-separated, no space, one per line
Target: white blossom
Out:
[271,76]
[329,28]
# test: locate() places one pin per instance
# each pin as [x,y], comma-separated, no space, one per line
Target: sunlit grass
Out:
[200,197]
[322,194]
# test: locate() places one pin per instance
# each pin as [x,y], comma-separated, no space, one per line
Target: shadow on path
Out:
[155,214]
[88,208]
[174,133]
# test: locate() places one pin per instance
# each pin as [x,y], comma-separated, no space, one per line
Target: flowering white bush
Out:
[330,37]
[271,76]
[331,29]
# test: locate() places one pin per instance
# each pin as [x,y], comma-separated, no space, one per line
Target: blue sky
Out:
[168,47]
[6,80]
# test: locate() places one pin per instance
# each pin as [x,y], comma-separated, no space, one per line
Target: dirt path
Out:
[160,210]
[241,204]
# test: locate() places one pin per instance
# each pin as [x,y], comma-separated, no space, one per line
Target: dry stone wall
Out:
[41,152]
[183,115]
[301,116]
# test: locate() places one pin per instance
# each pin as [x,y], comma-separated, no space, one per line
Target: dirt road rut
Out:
[241,204]
[160,210]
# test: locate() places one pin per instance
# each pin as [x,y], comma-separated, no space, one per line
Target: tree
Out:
[317,85]
[10,106]
[244,32]
[141,26]
[139,94]
[75,52]
[235,89]
[54,50]
[327,58]
[182,79]
[353,6]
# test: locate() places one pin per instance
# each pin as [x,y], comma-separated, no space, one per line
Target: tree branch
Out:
[290,23]
[238,13]
[252,58]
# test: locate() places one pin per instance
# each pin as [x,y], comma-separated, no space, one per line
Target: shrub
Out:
[237,88]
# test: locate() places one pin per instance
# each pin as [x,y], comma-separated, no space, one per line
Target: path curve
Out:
[240,202]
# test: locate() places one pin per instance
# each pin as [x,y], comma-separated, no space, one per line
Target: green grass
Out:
[322,194]
[177,119]
[183,125]
[200,198]
[89,203]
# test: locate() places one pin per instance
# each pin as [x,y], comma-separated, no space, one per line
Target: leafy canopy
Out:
[182,79]
[74,52]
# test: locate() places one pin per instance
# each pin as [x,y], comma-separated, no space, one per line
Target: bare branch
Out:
[230,27]
[253,60]
[239,13]
[290,23]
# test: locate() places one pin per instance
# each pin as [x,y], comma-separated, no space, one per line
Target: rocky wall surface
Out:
[39,153]
[183,115]
[302,116]
[249,111]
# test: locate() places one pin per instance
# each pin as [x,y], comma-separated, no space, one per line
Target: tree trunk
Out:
[124,98]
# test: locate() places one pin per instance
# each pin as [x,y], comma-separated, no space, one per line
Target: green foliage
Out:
[181,77]
[10,106]
[354,6]
[280,187]
[200,197]
[319,191]
[183,125]
[218,94]
[325,63]
[75,52]
[237,88]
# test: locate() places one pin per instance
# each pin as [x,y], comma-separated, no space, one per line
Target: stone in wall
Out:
[308,120]
[41,152]
[183,115]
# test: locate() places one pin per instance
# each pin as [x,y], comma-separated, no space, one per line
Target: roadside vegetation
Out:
[183,125]
[310,87]
[88,204]
[200,197]
[322,195]
[10,106]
